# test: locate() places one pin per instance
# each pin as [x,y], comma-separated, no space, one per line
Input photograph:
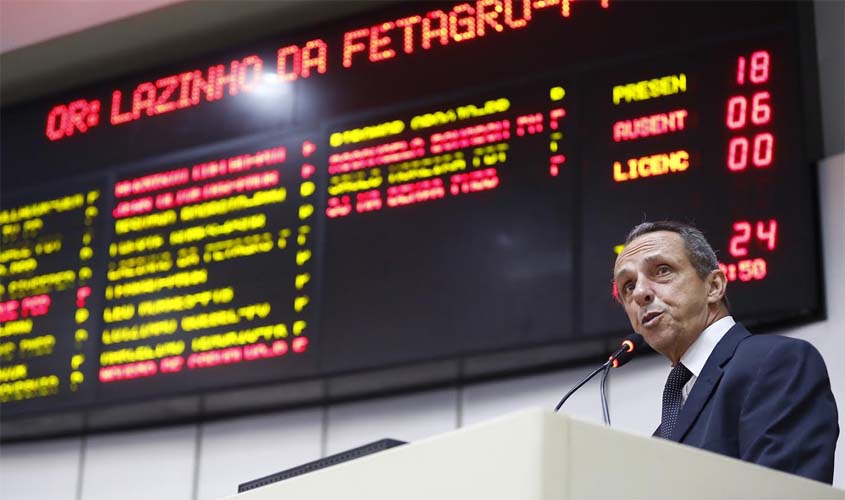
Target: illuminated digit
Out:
[740,70]
[759,67]
[764,145]
[742,235]
[738,154]
[761,112]
[736,112]
[745,270]
[768,235]
[759,269]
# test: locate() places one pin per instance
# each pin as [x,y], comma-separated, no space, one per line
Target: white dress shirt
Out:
[700,350]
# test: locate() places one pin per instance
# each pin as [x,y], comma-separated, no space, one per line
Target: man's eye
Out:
[628,287]
[663,269]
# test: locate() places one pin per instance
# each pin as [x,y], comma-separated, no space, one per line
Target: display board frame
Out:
[331,386]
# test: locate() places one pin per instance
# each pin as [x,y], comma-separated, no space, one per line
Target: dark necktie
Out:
[678,377]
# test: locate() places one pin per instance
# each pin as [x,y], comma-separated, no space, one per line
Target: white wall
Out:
[139,465]
[48,470]
[208,461]
[243,449]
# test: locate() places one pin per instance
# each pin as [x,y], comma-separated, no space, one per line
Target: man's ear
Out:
[717,286]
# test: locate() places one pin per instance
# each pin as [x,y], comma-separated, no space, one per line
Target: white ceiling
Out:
[27,22]
[49,46]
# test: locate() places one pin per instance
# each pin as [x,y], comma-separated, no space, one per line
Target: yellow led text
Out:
[29,388]
[41,209]
[650,166]
[650,89]
[37,346]
[19,267]
[425,168]
[490,155]
[225,317]
[186,302]
[198,233]
[367,133]
[19,327]
[355,181]
[142,244]
[45,283]
[142,353]
[241,337]
[181,279]
[14,372]
[460,113]
[10,254]
[144,222]
[139,332]
[135,267]
[238,247]
[187,257]
[7,350]
[117,313]
[235,203]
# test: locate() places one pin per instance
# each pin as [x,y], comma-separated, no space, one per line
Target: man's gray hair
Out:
[699,252]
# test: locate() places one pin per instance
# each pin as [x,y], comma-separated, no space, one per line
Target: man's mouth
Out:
[650,318]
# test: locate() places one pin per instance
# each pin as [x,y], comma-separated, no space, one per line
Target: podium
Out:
[541,455]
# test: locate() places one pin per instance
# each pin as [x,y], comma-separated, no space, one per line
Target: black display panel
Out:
[450,227]
[50,266]
[703,142]
[424,183]
[210,271]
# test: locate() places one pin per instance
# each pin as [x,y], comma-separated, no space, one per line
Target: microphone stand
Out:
[587,379]
[605,410]
[629,348]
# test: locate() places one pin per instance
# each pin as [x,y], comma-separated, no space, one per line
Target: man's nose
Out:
[643,293]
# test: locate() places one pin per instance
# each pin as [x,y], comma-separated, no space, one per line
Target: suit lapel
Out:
[708,380]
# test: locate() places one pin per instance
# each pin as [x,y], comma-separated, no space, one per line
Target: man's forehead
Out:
[647,247]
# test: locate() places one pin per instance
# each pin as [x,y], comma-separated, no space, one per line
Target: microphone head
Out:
[633,344]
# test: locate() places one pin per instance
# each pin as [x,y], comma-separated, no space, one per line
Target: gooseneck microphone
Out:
[631,346]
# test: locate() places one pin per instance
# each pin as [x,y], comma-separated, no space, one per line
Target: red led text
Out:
[647,126]
[745,270]
[187,89]
[293,63]
[764,231]
[78,116]
[380,42]
[755,110]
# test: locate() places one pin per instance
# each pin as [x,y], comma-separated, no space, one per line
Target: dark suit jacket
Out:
[764,399]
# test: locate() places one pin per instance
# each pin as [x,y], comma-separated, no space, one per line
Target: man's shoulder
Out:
[770,358]
[770,341]
[770,348]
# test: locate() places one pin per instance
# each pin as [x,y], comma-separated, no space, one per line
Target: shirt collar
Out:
[700,350]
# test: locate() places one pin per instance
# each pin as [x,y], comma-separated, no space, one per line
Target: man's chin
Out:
[656,339]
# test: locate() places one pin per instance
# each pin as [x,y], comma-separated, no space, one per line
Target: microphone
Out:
[629,348]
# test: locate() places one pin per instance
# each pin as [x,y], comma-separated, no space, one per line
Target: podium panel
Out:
[540,455]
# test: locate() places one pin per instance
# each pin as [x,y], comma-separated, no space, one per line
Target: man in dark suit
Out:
[763,399]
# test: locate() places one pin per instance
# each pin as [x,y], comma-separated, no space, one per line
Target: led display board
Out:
[423,182]
[50,268]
